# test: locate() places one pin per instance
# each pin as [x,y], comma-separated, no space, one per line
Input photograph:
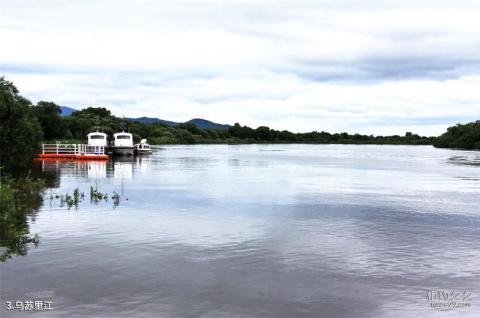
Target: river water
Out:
[257,231]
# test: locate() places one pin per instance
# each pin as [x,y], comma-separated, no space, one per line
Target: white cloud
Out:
[358,66]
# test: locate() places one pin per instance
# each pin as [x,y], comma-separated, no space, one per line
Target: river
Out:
[256,231]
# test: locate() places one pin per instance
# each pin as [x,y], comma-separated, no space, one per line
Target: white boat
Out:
[97,139]
[123,144]
[143,148]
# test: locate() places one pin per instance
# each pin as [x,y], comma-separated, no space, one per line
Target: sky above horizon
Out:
[373,67]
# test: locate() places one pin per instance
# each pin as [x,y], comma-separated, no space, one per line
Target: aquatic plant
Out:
[95,195]
[77,197]
[116,199]
[69,200]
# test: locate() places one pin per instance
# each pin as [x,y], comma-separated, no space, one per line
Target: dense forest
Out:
[461,136]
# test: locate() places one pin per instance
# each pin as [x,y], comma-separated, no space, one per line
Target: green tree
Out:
[48,114]
[82,122]
[20,131]
[465,136]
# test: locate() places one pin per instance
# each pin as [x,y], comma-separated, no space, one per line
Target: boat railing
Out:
[72,149]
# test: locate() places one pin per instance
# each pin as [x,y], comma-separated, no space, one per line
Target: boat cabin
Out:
[123,139]
[142,147]
[97,139]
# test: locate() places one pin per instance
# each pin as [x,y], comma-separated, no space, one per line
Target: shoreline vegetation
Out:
[460,136]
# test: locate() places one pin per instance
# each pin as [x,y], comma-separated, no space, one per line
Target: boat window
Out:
[97,137]
[123,137]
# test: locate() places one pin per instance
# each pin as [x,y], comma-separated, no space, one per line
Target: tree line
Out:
[465,136]
[24,126]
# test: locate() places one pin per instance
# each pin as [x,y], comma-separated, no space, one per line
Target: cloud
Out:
[356,66]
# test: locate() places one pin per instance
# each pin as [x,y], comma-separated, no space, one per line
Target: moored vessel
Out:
[143,148]
[123,144]
[97,139]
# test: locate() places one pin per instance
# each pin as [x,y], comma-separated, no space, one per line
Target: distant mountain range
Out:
[199,122]
[206,124]
[66,111]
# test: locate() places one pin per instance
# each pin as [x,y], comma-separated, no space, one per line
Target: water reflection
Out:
[21,198]
[120,168]
[143,164]
[26,196]
[97,169]
[20,201]
[249,231]
[123,170]
[48,171]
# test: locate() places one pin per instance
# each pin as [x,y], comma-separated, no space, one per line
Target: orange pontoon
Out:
[72,151]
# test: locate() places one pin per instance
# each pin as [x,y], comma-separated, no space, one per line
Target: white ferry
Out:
[123,144]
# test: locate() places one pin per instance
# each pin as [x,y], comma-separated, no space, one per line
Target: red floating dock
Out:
[72,156]
[72,152]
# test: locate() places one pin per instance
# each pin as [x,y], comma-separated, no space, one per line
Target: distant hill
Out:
[150,120]
[206,124]
[66,111]
[199,122]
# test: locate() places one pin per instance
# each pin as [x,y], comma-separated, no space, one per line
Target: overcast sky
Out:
[355,66]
